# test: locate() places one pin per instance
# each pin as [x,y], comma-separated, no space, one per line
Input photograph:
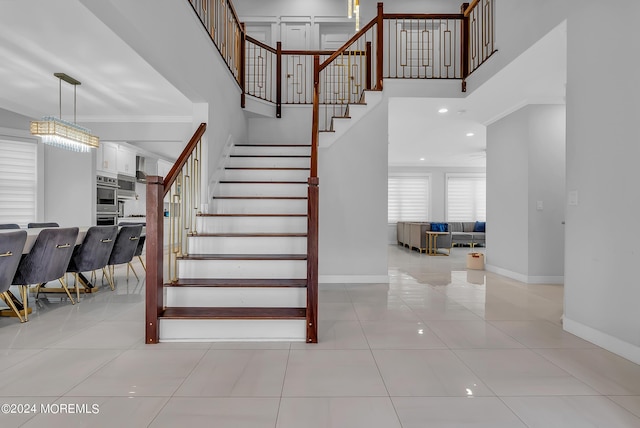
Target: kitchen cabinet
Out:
[126,161]
[107,158]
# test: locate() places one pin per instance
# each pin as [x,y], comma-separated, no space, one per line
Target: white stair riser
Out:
[185,330]
[246,297]
[266,175]
[269,162]
[252,224]
[268,269]
[247,245]
[262,189]
[259,206]
[266,150]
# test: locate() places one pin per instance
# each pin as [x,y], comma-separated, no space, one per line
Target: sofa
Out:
[413,234]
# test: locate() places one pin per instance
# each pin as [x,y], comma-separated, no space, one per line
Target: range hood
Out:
[141,175]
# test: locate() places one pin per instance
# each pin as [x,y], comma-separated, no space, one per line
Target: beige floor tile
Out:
[472,335]
[237,373]
[438,373]
[516,372]
[349,412]
[629,402]
[444,412]
[218,412]
[562,412]
[541,334]
[400,335]
[336,335]
[339,373]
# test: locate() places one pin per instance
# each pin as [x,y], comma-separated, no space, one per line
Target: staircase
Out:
[244,276]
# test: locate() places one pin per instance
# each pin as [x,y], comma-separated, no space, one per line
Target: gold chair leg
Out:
[5,296]
[142,263]
[64,285]
[129,265]
[77,288]
[24,290]
[109,280]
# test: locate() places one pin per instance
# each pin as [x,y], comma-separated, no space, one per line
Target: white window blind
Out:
[466,199]
[17,182]
[408,198]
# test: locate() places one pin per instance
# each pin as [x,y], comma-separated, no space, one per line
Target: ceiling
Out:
[417,130]
[119,86]
[42,37]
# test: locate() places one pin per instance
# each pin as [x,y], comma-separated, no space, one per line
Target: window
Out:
[18,182]
[408,198]
[466,198]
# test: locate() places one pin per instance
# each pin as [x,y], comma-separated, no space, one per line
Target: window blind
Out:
[18,182]
[466,199]
[408,199]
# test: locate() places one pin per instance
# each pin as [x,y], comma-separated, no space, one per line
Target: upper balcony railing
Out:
[391,46]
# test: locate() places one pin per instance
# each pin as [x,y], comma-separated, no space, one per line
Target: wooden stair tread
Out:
[272,145]
[238,282]
[273,168]
[260,197]
[270,156]
[233,313]
[251,215]
[250,235]
[260,182]
[244,257]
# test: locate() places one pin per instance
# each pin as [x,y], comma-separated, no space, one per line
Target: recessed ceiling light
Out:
[470,134]
[443,110]
[421,158]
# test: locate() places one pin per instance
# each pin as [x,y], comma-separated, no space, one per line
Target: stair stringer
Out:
[341,125]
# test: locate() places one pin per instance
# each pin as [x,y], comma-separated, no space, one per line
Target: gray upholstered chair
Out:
[93,253]
[11,245]
[125,246]
[46,261]
[138,254]
[37,225]
[9,226]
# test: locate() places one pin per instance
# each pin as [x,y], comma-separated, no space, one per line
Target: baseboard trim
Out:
[353,279]
[525,278]
[610,343]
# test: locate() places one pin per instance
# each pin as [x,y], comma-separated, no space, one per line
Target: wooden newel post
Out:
[243,59]
[369,65]
[312,260]
[379,46]
[155,254]
[464,45]
[279,79]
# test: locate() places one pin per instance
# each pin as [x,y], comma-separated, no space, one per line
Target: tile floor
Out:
[439,346]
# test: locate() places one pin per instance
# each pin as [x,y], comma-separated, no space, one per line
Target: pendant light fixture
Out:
[353,8]
[60,133]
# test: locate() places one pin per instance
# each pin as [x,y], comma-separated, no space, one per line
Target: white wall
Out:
[525,194]
[601,286]
[353,202]
[188,59]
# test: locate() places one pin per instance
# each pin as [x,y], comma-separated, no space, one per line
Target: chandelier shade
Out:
[60,133]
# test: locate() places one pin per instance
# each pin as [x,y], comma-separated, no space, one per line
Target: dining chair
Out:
[93,253]
[125,247]
[138,254]
[46,261]
[36,225]
[11,245]
[9,226]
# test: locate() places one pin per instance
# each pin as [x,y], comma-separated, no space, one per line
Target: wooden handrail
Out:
[423,16]
[260,44]
[303,52]
[470,8]
[349,42]
[182,159]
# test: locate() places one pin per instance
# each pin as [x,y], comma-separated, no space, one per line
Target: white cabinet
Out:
[107,158]
[126,161]
[164,167]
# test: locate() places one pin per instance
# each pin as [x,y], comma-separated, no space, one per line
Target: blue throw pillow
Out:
[480,226]
[439,227]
